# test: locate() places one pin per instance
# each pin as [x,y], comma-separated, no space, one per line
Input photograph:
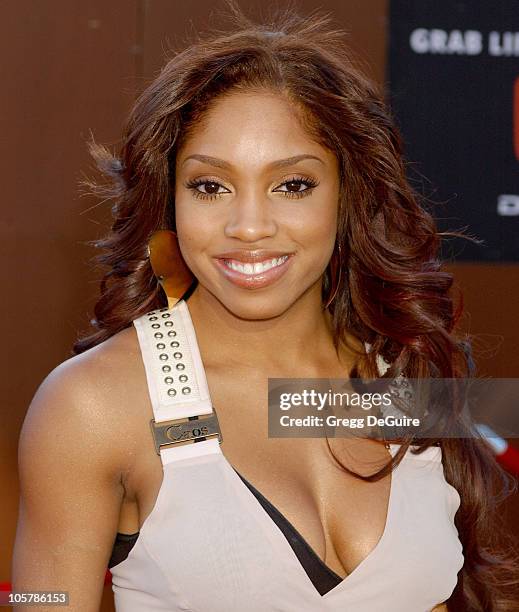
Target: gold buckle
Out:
[188,429]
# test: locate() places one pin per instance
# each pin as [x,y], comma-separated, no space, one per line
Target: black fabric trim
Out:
[124,542]
[323,578]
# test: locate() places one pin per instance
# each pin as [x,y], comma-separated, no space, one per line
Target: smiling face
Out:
[256,203]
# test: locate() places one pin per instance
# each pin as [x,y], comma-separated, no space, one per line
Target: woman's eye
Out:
[293,187]
[210,189]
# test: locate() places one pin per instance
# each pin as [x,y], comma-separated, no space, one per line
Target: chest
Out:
[206,543]
[341,517]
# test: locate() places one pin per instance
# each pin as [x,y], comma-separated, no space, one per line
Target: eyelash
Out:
[311,184]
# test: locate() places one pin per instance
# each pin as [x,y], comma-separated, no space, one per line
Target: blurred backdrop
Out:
[70,68]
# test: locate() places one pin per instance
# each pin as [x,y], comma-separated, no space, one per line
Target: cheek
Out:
[315,227]
[192,230]
[321,237]
[193,218]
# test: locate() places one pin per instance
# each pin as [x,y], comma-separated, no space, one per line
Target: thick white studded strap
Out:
[174,370]
[177,383]
[383,366]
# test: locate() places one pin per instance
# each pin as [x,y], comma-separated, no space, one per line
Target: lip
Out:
[253,281]
[254,256]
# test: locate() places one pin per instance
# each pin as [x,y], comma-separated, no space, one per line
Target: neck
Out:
[299,339]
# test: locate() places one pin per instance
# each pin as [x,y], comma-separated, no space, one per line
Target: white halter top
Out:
[209,546]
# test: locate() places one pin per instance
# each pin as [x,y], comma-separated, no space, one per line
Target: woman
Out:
[278,168]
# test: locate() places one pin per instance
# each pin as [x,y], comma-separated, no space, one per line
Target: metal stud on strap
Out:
[190,429]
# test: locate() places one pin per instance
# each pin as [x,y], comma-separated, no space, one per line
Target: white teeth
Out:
[257,268]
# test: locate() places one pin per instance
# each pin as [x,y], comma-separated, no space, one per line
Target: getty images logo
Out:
[508,204]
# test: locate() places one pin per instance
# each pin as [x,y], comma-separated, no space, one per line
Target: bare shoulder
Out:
[77,440]
[95,395]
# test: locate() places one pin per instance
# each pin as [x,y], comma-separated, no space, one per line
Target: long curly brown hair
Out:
[392,291]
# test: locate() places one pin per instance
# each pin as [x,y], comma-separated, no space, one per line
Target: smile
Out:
[253,274]
[256,268]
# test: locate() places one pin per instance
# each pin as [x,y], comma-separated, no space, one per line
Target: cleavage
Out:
[340,517]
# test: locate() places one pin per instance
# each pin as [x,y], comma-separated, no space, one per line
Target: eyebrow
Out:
[279,163]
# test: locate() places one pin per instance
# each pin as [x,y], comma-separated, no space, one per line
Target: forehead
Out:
[252,128]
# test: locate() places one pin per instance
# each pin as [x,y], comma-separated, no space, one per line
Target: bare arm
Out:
[70,491]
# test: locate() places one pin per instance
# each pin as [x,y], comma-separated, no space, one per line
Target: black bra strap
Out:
[323,578]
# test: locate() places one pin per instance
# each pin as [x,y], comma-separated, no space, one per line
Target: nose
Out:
[250,218]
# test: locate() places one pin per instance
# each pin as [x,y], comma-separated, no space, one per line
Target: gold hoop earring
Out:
[168,265]
[335,277]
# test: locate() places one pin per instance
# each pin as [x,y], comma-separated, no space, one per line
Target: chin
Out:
[255,307]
